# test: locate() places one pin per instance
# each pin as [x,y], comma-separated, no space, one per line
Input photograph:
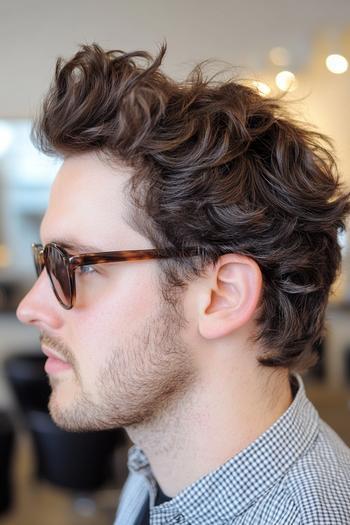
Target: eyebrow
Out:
[77,247]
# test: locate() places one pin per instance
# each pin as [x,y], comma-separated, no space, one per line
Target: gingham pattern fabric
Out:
[295,473]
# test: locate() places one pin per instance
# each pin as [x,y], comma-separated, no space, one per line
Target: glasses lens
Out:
[57,268]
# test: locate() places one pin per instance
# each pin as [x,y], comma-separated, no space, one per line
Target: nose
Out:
[39,306]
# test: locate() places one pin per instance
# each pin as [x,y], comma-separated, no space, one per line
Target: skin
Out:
[184,382]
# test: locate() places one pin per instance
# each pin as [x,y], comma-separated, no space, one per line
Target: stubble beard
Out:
[150,372]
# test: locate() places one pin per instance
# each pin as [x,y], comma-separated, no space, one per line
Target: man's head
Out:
[154,163]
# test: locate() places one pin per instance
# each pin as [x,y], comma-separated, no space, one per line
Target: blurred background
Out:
[46,475]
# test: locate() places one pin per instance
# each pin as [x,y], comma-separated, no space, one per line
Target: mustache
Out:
[58,345]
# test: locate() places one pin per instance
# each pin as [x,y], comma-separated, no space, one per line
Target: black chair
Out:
[28,380]
[79,461]
[7,442]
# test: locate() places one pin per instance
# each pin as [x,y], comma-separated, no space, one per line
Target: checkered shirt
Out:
[296,473]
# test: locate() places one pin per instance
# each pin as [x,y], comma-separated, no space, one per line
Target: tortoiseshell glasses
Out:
[61,266]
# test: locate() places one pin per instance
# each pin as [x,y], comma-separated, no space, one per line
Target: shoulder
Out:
[318,483]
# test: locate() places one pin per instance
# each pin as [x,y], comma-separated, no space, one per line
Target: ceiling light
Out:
[286,81]
[336,64]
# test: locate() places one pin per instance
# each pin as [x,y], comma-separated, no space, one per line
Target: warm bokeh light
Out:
[286,81]
[263,88]
[337,64]
[279,56]
[5,258]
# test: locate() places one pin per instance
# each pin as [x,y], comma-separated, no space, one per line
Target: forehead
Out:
[88,204]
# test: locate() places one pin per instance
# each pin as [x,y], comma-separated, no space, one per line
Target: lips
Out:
[49,353]
[54,363]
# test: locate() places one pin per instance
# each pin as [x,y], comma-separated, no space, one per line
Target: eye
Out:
[86,269]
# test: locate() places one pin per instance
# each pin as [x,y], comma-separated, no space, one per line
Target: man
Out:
[191,243]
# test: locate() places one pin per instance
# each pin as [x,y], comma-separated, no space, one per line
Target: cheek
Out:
[99,329]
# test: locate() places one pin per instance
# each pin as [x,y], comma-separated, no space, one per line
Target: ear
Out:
[229,295]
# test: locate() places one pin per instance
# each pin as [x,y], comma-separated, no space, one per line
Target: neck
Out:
[221,416]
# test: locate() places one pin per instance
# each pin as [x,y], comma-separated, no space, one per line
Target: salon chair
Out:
[29,383]
[79,461]
[7,442]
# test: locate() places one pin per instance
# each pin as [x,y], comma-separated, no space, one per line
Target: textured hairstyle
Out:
[216,166]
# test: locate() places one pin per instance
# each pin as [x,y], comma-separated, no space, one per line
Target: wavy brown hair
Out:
[216,166]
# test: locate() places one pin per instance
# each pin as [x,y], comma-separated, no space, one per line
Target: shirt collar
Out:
[257,467]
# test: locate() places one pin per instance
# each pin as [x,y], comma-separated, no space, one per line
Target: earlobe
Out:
[232,291]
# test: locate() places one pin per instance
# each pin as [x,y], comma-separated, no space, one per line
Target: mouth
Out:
[54,363]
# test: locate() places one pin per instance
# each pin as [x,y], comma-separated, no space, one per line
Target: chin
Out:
[61,408]
[71,412]
[65,419]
